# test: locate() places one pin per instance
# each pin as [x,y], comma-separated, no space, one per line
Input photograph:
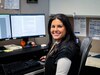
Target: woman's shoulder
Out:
[68,49]
[70,46]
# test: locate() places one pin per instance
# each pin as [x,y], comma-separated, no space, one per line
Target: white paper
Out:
[94,29]
[11,4]
[0,1]
[80,26]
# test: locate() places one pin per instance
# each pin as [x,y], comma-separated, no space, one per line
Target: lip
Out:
[56,35]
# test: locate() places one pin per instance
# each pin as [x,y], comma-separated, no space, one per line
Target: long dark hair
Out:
[64,19]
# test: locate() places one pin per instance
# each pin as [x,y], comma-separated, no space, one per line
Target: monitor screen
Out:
[5,31]
[27,25]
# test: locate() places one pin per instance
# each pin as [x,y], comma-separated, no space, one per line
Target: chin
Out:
[56,38]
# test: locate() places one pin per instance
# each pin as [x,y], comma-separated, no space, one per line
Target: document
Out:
[12,4]
[12,47]
[94,29]
[80,26]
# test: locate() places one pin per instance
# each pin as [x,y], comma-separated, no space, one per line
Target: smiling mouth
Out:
[56,35]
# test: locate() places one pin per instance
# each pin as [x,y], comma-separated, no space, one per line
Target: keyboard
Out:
[17,67]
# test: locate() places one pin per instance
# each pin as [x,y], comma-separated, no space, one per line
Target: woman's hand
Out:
[43,58]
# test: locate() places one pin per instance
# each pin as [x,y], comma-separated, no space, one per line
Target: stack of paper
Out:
[12,47]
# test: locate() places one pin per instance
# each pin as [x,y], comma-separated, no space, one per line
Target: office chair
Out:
[85,48]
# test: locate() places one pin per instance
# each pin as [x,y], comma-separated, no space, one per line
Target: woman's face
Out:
[57,30]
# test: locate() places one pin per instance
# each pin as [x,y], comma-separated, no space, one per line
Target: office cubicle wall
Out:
[96,41]
[27,8]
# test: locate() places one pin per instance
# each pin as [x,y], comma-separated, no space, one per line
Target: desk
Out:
[36,72]
[93,61]
[21,54]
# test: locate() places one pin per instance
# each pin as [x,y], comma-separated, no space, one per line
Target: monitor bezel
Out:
[33,36]
[7,38]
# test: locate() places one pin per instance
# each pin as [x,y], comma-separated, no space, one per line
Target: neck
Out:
[57,42]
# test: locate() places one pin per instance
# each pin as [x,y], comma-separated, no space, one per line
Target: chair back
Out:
[85,48]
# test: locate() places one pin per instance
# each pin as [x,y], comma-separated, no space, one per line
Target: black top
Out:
[65,49]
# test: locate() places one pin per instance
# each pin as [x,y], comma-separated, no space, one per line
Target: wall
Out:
[79,7]
[95,43]
[41,7]
[87,8]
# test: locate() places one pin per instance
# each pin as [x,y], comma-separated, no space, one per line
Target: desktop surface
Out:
[22,54]
[93,60]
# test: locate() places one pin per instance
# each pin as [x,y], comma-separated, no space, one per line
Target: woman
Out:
[63,57]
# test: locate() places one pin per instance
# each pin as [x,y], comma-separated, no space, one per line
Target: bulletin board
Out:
[86,26]
[10,6]
[95,40]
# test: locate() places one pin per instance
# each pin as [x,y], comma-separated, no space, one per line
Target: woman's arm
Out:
[63,66]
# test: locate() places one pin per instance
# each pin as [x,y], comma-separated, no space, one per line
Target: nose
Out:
[55,28]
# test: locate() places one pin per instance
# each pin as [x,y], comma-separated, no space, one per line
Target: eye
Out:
[60,26]
[52,26]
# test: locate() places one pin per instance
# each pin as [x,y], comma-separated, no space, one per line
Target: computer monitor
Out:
[28,25]
[5,31]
